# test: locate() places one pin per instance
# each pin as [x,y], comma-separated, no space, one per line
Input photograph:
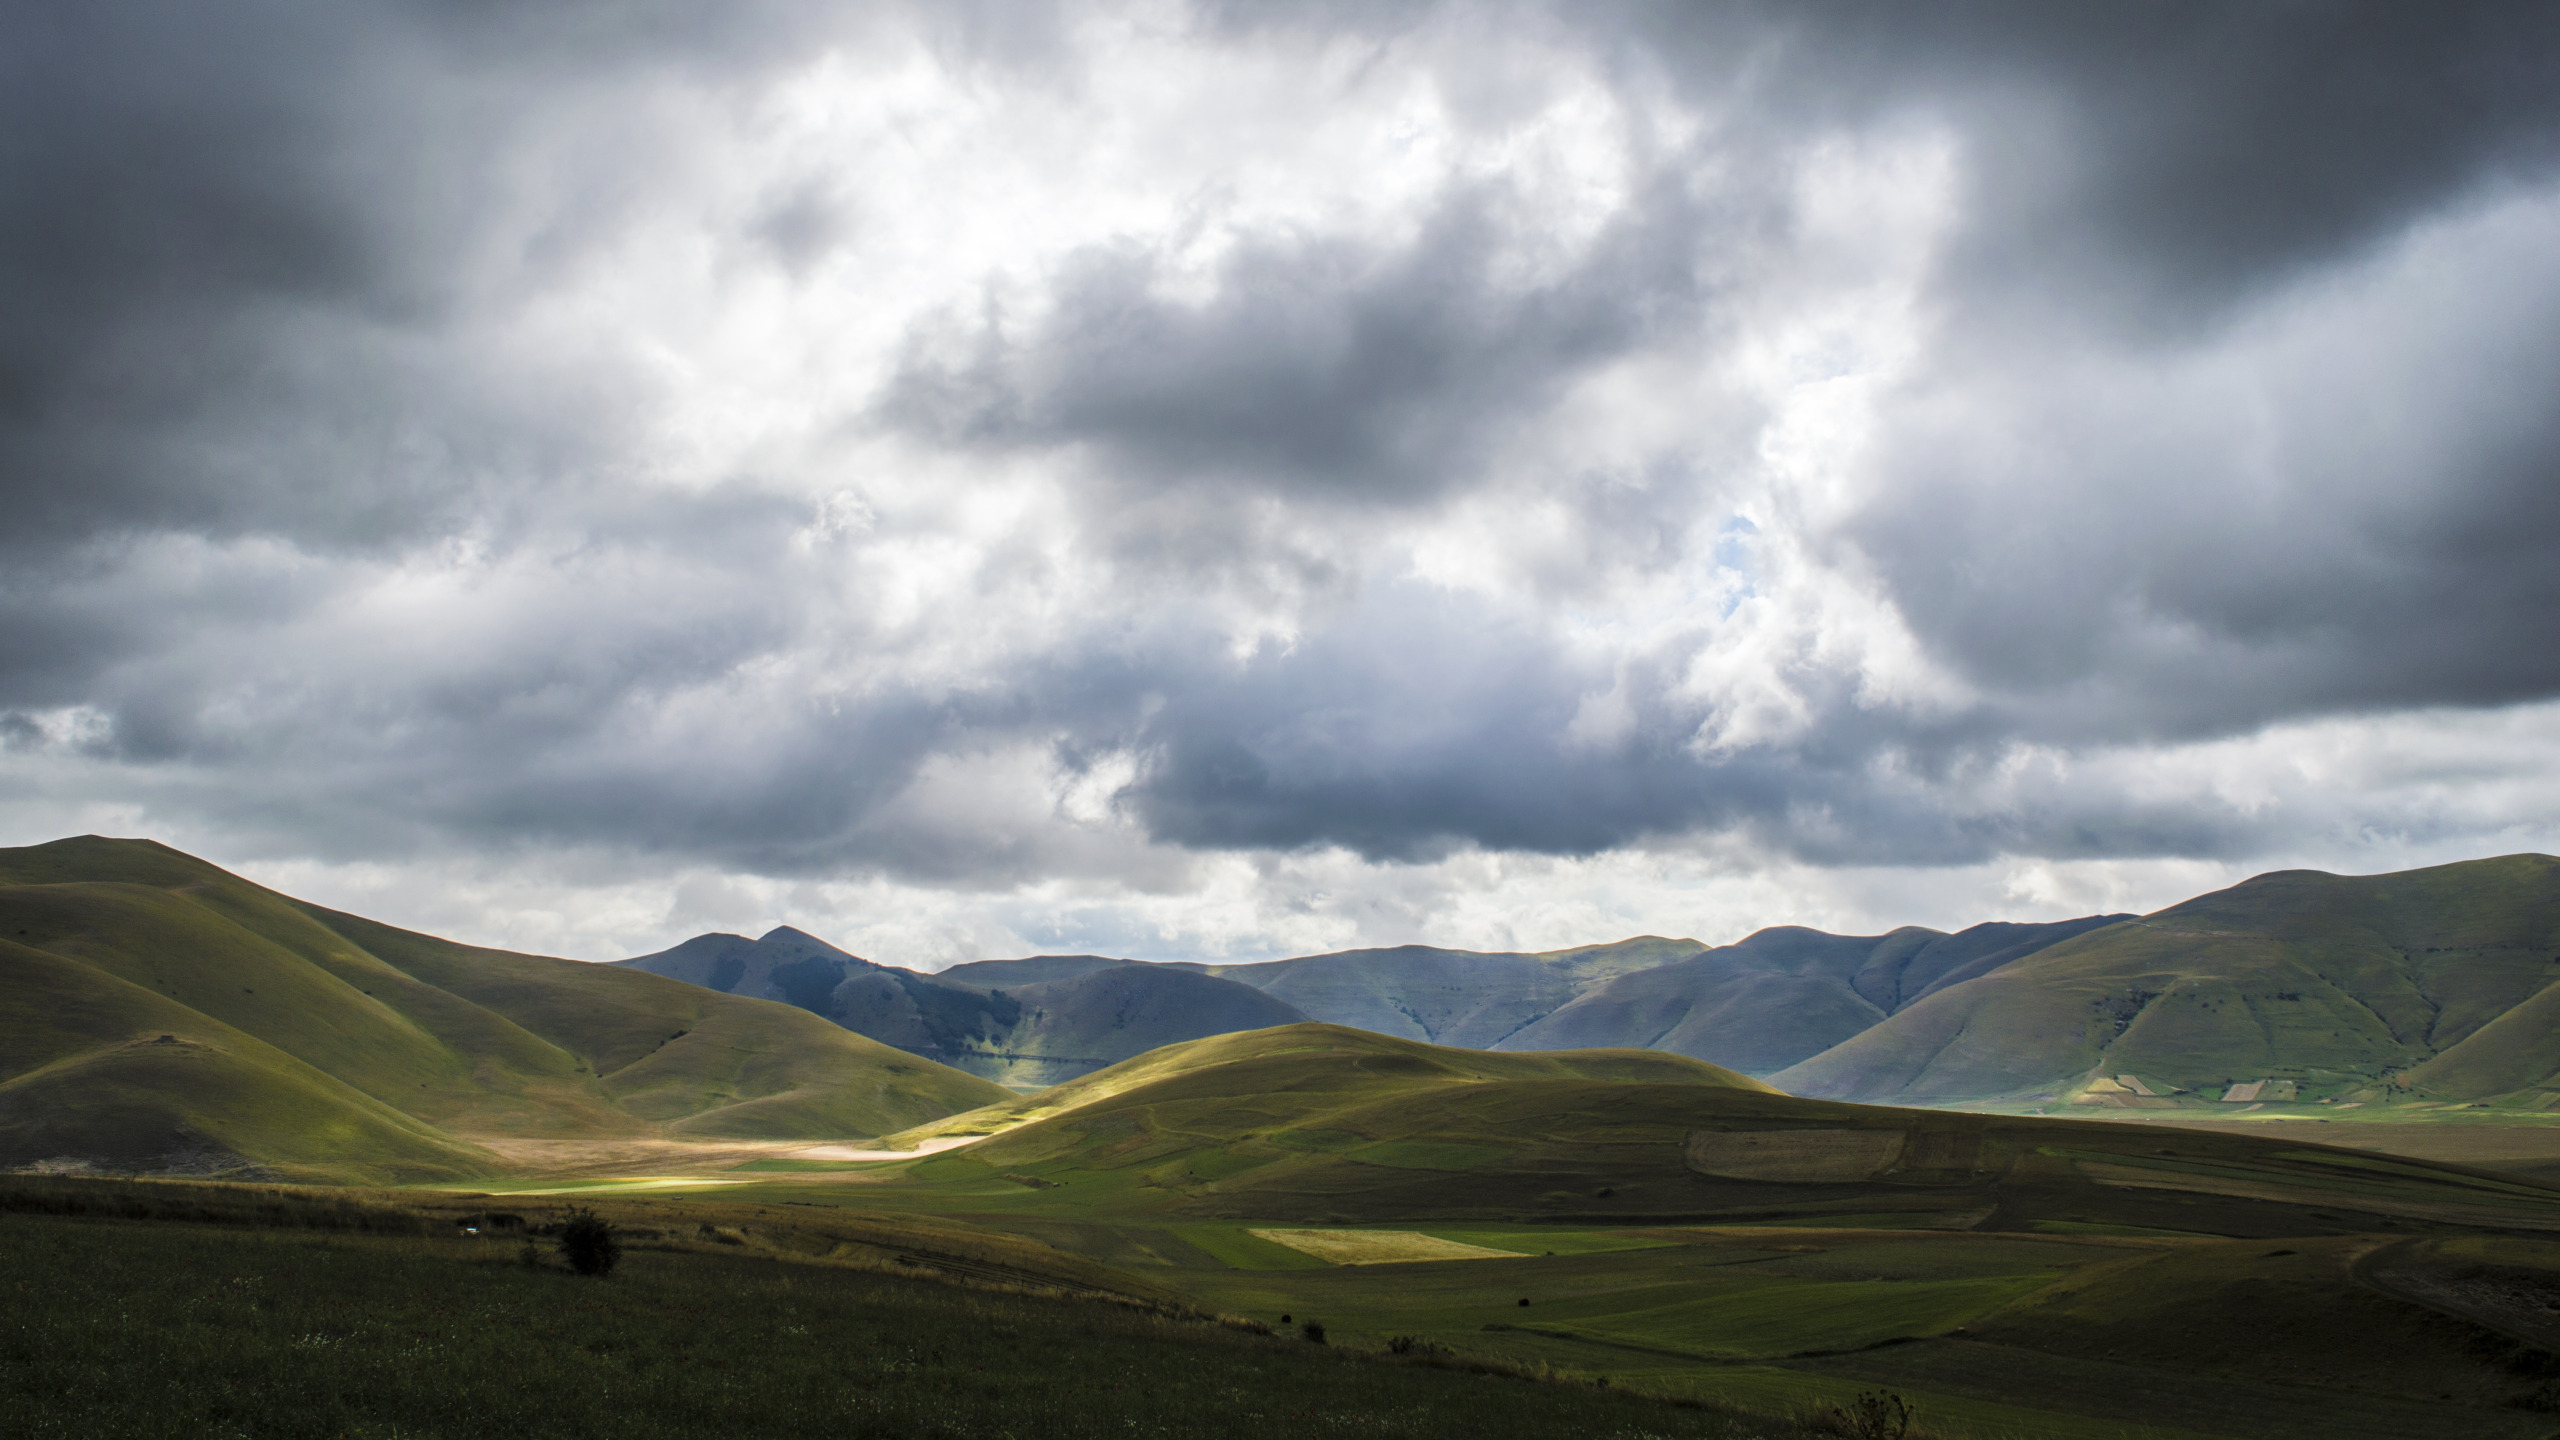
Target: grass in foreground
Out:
[119,1328]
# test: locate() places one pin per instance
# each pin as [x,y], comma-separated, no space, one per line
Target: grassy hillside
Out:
[1317,1123]
[103,1072]
[1781,995]
[2347,986]
[1319,1061]
[306,1041]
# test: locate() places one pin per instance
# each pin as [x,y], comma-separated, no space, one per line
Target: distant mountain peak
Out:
[802,939]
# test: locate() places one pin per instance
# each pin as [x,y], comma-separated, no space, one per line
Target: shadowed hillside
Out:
[1783,994]
[1448,997]
[157,1013]
[1759,1005]
[2330,987]
[921,1014]
[1026,1022]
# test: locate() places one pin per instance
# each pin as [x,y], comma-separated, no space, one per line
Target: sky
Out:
[1231,480]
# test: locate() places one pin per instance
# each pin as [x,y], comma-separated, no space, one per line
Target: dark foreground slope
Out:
[717,1323]
[1025,1023]
[158,1013]
[2348,987]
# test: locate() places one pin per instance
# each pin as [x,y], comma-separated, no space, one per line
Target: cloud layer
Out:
[1179,476]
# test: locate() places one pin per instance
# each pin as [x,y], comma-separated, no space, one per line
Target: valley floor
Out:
[2528,1147]
[774,1288]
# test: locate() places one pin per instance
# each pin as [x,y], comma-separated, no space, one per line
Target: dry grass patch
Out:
[1379,1247]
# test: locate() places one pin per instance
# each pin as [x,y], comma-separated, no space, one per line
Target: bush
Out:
[1312,1332]
[588,1244]
[1876,1415]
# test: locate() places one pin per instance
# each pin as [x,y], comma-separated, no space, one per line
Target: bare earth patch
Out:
[848,1152]
[1379,1247]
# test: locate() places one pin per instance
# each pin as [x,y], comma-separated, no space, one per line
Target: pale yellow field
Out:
[1379,1247]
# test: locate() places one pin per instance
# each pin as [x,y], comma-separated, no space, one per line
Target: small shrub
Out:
[1312,1332]
[587,1243]
[1876,1415]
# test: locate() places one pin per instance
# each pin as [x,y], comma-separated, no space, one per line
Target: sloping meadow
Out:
[161,1015]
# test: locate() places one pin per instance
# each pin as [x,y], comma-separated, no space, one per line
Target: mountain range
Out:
[1766,1002]
[1026,1023]
[2307,986]
[159,1014]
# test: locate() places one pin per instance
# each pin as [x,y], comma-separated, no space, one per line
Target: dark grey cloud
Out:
[1430,727]
[2148,164]
[1326,367]
[2231,407]
[247,250]
[2340,505]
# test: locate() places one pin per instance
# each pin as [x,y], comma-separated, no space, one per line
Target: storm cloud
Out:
[1026,462]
